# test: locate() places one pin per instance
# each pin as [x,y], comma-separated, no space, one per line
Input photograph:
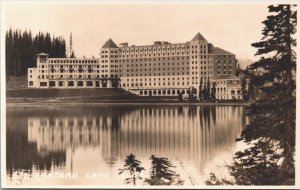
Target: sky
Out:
[231,26]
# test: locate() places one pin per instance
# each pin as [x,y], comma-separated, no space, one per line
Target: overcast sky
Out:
[232,27]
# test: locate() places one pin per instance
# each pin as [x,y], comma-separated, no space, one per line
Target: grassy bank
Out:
[31,96]
[83,95]
[58,93]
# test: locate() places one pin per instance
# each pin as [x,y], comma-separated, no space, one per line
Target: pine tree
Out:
[204,91]
[213,92]
[8,52]
[133,166]
[22,48]
[72,55]
[244,89]
[161,173]
[238,68]
[200,89]
[208,90]
[271,131]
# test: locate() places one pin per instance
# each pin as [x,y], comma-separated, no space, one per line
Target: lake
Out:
[87,145]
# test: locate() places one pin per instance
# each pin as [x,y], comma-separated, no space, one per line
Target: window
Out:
[89,83]
[30,83]
[51,83]
[61,83]
[43,83]
[70,83]
[80,83]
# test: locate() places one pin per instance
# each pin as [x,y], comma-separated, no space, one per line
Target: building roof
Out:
[198,37]
[220,77]
[42,54]
[221,51]
[109,44]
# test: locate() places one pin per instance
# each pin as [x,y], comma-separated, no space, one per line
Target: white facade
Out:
[229,88]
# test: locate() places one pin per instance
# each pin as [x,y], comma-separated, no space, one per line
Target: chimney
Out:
[125,44]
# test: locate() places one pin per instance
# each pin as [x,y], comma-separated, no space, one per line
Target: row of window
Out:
[156,84]
[78,76]
[157,69]
[224,67]
[155,74]
[82,71]
[154,59]
[112,52]
[78,66]
[73,61]
[162,78]
[111,56]
[154,64]
[71,66]
[224,72]
[163,48]
[224,61]
[115,56]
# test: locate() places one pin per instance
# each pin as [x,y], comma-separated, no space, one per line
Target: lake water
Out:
[87,145]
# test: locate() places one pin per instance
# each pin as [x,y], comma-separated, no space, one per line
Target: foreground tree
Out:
[271,131]
[133,166]
[161,173]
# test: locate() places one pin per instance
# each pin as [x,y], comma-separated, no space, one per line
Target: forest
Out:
[21,48]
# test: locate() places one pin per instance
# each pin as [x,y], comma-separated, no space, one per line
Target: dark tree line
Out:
[22,47]
[207,92]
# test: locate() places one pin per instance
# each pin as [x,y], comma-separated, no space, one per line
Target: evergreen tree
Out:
[238,68]
[9,52]
[161,173]
[213,92]
[271,131]
[244,89]
[208,90]
[72,55]
[133,166]
[204,91]
[21,50]
[200,89]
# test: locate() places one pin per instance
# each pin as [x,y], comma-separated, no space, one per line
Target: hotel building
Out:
[161,69]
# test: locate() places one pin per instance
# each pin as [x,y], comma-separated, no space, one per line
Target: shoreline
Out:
[97,97]
[123,103]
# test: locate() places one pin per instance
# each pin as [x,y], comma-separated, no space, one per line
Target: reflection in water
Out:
[43,139]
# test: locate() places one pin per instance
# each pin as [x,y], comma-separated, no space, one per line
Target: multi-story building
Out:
[229,87]
[161,69]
